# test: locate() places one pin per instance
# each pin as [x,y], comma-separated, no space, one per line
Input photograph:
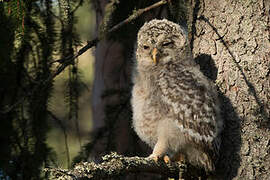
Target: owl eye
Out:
[167,44]
[145,47]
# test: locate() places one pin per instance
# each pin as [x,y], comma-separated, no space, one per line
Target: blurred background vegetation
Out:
[45,114]
[44,121]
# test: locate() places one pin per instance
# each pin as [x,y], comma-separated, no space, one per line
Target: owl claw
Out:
[166,159]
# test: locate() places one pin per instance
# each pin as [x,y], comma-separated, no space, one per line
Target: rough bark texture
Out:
[234,36]
[114,166]
[230,40]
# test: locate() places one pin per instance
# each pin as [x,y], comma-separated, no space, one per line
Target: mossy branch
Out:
[114,165]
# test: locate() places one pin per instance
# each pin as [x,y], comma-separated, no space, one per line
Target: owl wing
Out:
[193,103]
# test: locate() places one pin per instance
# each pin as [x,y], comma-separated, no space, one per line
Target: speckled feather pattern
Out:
[175,107]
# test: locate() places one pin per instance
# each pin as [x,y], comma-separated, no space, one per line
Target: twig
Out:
[94,42]
[63,127]
[65,62]
[114,165]
[138,13]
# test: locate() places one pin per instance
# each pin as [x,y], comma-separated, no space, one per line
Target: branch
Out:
[65,62]
[63,127]
[94,41]
[114,165]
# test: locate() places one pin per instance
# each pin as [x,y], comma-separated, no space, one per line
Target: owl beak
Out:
[154,55]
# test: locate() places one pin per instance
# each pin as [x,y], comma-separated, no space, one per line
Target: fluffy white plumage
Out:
[175,107]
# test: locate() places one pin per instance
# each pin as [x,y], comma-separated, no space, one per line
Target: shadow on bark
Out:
[264,119]
[229,160]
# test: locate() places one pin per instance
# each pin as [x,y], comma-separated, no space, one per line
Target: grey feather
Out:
[175,107]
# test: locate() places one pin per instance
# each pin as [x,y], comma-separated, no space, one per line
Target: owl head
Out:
[160,42]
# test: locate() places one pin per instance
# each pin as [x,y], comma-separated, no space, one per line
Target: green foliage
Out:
[16,10]
[36,33]
[28,149]
[28,45]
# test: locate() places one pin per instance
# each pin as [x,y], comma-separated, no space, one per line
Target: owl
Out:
[175,107]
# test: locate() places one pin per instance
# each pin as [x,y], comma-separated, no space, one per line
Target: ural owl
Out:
[175,107]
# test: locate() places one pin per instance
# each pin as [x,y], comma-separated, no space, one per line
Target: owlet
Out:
[175,107]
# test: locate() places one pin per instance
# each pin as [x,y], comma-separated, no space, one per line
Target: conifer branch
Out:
[65,62]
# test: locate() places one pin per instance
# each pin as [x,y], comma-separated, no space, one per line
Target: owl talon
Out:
[166,159]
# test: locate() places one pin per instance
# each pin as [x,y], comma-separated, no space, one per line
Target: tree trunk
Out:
[235,35]
[230,41]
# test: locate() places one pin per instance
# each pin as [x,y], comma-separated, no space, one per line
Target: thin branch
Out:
[63,127]
[114,165]
[94,41]
[65,62]
[138,13]
[77,7]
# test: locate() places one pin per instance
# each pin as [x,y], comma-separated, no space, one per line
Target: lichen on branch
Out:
[114,165]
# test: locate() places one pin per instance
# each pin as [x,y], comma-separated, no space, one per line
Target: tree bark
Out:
[230,41]
[234,36]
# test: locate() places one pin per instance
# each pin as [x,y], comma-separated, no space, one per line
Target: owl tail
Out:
[202,166]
